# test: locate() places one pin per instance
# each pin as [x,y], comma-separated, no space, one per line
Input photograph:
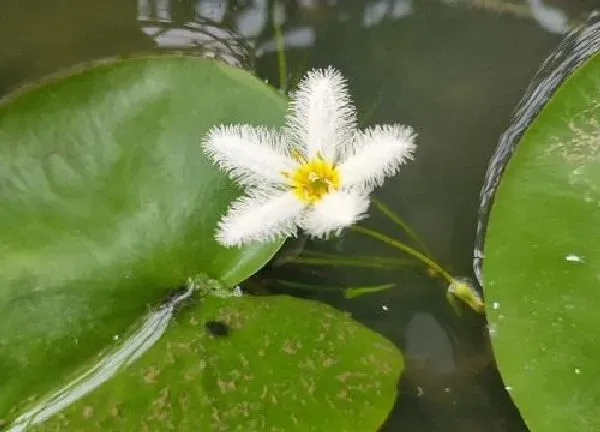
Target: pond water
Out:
[453,69]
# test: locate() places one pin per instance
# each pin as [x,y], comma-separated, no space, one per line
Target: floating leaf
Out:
[542,261]
[108,204]
[249,364]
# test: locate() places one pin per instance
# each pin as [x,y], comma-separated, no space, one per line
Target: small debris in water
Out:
[447,390]
[496,305]
[420,391]
[508,388]
[574,258]
[116,337]
[385,308]
[577,371]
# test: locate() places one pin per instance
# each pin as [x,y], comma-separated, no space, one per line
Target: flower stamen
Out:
[298,157]
[314,179]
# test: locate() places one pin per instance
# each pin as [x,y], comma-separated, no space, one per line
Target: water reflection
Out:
[193,32]
[253,18]
[550,18]
[428,345]
[159,10]
[375,12]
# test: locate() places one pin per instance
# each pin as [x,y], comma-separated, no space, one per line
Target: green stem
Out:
[280,44]
[300,285]
[405,248]
[398,221]
[350,262]
[349,291]
[372,258]
[369,113]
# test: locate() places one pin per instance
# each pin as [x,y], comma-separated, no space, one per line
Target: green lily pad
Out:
[542,262]
[269,364]
[108,204]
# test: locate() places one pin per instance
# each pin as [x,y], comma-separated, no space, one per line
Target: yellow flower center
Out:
[313,179]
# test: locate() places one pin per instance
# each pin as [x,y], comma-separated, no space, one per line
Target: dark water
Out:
[452,69]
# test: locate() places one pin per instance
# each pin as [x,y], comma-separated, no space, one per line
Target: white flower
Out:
[316,173]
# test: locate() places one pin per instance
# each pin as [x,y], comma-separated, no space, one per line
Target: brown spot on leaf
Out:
[309,384]
[151,374]
[290,347]
[114,411]
[343,394]
[343,377]
[308,363]
[184,401]
[225,386]
[162,399]
[88,412]
[328,361]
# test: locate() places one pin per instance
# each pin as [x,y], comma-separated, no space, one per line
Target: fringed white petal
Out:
[335,211]
[380,151]
[252,156]
[321,117]
[260,216]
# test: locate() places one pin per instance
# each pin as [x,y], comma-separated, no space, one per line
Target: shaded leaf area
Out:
[542,261]
[108,204]
[249,364]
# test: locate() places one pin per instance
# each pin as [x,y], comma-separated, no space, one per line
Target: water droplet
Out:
[577,371]
[492,329]
[384,307]
[496,305]
[574,258]
[116,337]
[508,388]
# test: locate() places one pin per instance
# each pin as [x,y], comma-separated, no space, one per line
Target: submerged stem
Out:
[406,249]
[349,291]
[374,262]
[280,44]
[398,221]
